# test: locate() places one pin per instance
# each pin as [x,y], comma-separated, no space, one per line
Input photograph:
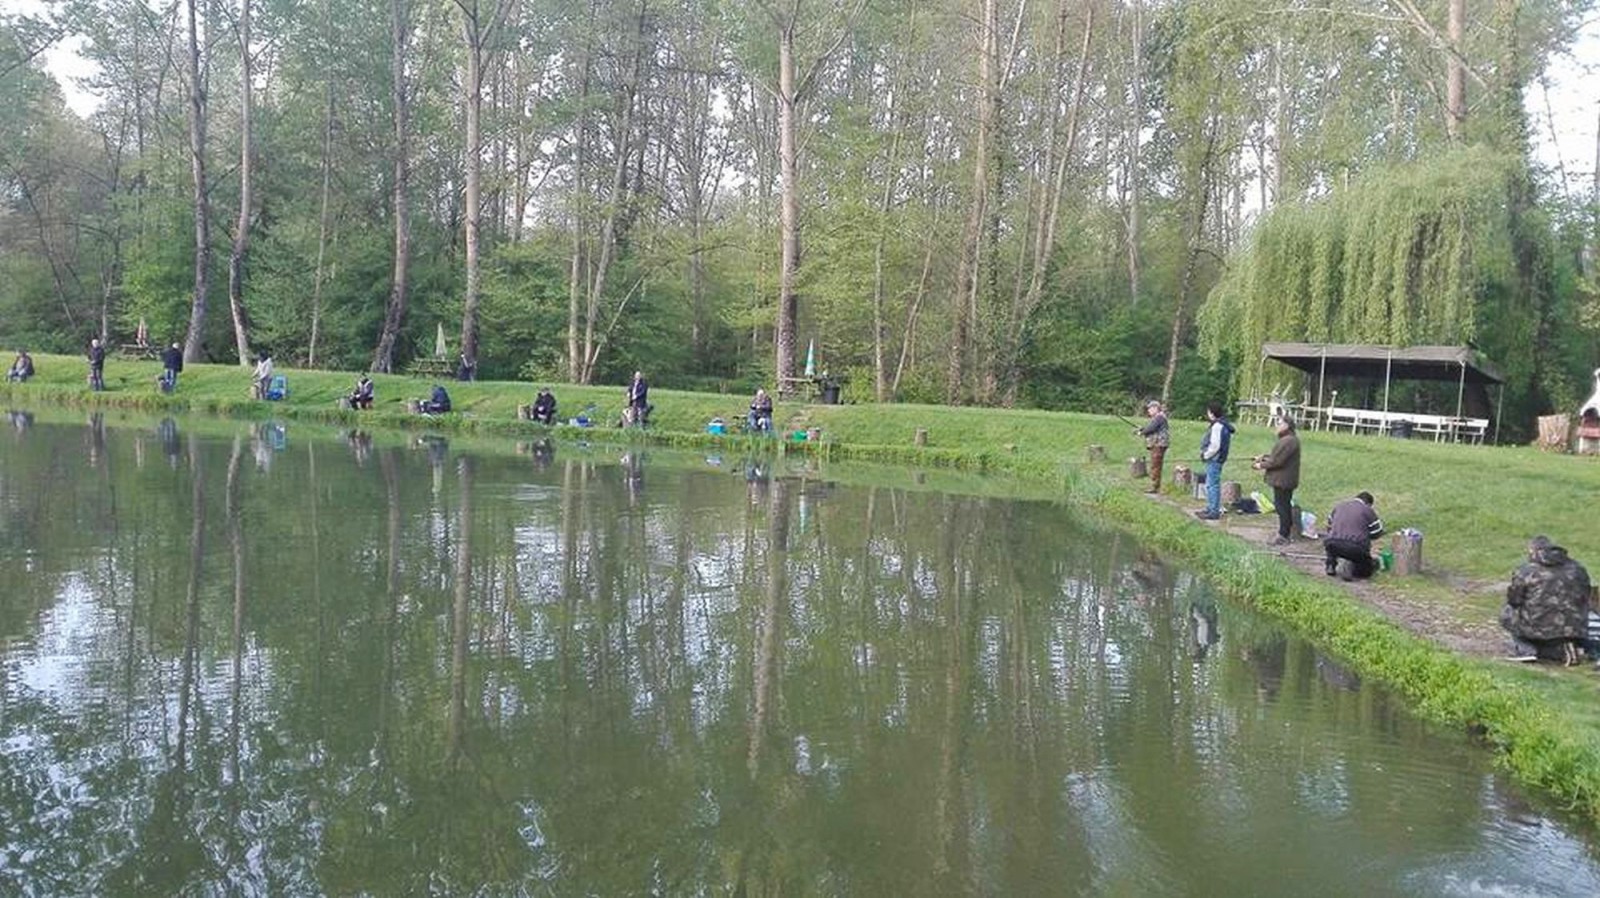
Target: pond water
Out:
[259,662]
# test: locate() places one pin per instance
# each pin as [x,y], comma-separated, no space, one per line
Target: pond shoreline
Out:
[1528,716]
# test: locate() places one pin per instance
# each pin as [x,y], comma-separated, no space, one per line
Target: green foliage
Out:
[1416,254]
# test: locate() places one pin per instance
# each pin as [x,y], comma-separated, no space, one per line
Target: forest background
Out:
[1044,203]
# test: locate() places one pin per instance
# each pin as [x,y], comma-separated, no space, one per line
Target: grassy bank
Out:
[1476,505]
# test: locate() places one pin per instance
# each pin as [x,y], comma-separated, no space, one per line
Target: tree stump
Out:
[525,413]
[1407,549]
[1183,477]
[1137,468]
[921,438]
[1296,530]
[1554,432]
[814,434]
[1231,491]
[344,403]
[1097,453]
[414,406]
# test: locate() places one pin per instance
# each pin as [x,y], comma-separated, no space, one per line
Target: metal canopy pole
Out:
[1499,405]
[1388,363]
[1461,391]
[1322,375]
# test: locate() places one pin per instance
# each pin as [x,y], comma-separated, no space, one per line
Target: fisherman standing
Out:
[1157,436]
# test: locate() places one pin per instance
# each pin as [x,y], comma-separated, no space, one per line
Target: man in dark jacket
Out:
[439,403]
[638,411]
[172,362]
[544,407]
[21,367]
[97,365]
[1281,469]
[361,396]
[1547,605]
[1214,452]
[1352,526]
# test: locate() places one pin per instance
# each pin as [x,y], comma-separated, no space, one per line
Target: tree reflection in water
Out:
[585,677]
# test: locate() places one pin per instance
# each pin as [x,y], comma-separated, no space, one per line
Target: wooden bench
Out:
[139,351]
[432,368]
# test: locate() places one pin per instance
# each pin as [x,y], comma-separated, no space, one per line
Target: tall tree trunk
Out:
[1589,263]
[202,207]
[908,339]
[322,227]
[394,312]
[628,102]
[241,235]
[880,372]
[1196,233]
[1280,125]
[786,338]
[578,280]
[964,298]
[1057,158]
[473,31]
[478,35]
[1135,132]
[1455,89]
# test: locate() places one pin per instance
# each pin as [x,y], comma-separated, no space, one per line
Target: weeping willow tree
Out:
[1430,252]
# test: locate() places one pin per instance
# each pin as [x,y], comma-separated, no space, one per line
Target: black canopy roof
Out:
[1386,362]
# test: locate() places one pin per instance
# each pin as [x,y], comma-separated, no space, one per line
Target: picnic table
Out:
[431,367]
[139,351]
[822,388]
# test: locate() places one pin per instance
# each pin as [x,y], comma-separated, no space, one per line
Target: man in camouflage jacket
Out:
[1547,604]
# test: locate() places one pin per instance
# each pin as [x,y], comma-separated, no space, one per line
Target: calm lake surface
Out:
[258,662]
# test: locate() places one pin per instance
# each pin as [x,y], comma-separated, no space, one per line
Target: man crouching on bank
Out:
[1547,605]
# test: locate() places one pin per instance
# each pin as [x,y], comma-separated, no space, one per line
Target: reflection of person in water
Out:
[97,438]
[360,443]
[755,481]
[1203,632]
[1268,660]
[633,475]
[167,433]
[544,453]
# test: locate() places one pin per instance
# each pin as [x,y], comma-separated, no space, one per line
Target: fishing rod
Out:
[1126,421]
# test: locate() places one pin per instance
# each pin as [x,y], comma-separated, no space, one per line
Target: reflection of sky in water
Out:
[1058,673]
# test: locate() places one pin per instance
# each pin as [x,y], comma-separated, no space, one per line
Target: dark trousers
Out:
[1284,500]
[1359,556]
[97,378]
[1157,455]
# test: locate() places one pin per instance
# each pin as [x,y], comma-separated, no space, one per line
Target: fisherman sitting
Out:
[544,407]
[1352,526]
[21,368]
[760,419]
[361,397]
[1547,605]
[439,403]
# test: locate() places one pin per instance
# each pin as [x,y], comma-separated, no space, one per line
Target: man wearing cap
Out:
[1157,436]
[1352,526]
[1547,605]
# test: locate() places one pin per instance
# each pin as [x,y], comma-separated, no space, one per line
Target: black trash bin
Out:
[1401,430]
[830,392]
